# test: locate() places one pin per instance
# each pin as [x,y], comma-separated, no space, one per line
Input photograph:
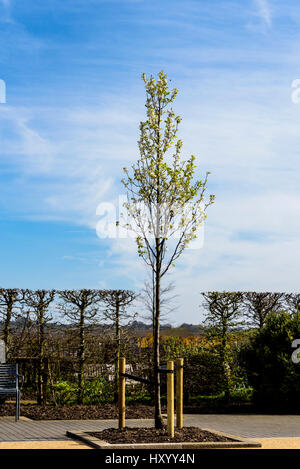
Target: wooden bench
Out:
[9,384]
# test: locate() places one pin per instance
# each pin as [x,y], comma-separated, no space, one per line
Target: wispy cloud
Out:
[6,3]
[264,11]
[6,11]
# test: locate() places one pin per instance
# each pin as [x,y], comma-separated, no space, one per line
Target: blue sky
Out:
[70,124]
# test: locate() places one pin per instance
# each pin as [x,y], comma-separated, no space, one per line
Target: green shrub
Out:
[269,366]
[63,392]
[94,392]
[203,372]
[218,402]
[241,395]
[138,395]
[97,391]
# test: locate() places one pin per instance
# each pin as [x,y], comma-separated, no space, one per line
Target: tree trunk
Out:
[156,355]
[40,396]
[81,358]
[118,352]
[225,364]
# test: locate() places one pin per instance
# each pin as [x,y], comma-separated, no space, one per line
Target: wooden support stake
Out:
[122,366]
[179,393]
[170,398]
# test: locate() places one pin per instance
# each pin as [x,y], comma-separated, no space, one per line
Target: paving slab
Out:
[245,426]
[249,426]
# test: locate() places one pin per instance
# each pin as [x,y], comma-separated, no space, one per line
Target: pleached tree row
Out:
[30,318]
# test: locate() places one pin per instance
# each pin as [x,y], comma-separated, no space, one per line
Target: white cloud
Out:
[264,11]
[6,8]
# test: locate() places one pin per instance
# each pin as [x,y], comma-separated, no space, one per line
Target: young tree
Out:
[223,314]
[81,307]
[258,305]
[115,303]
[165,205]
[38,303]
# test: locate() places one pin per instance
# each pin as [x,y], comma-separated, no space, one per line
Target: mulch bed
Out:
[106,411]
[78,412]
[152,435]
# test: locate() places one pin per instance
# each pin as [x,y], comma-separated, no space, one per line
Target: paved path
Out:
[248,426]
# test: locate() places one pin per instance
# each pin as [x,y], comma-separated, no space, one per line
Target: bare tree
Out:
[167,300]
[38,303]
[293,301]
[9,298]
[23,326]
[115,303]
[81,307]
[257,306]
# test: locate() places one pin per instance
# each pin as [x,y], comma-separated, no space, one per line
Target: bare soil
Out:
[152,435]
[101,411]
[78,412]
